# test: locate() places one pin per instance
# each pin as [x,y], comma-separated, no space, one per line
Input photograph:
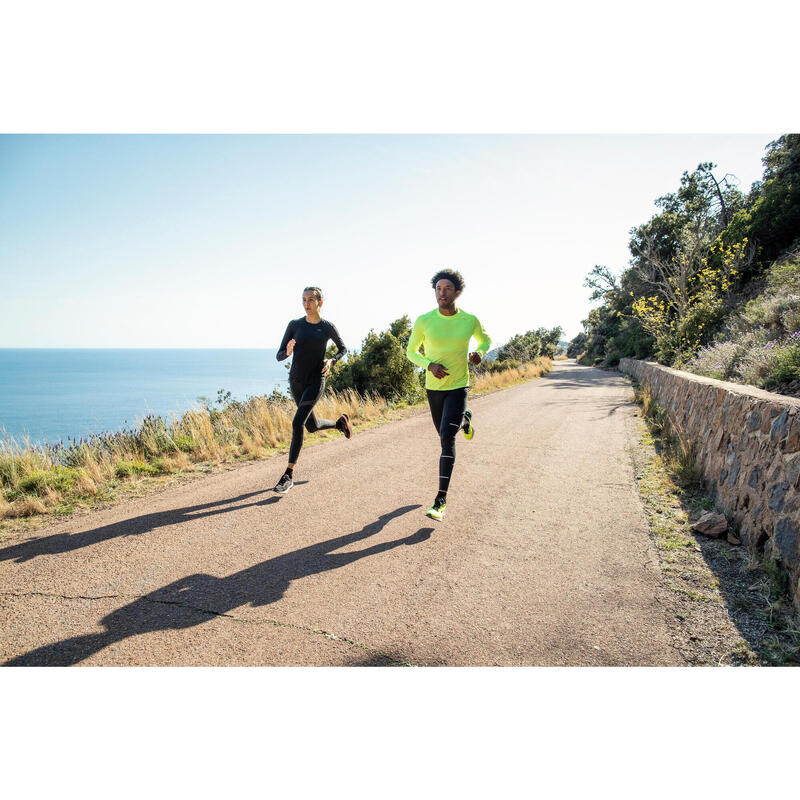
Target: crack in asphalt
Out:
[273,622]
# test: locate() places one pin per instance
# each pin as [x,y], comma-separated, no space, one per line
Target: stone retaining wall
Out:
[748,453]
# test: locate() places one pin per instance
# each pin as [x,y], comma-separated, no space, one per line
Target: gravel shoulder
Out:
[723,607]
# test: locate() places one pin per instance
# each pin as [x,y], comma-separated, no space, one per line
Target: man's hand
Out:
[475,358]
[326,367]
[437,370]
[289,347]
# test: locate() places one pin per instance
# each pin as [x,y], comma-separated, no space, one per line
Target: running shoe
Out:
[343,424]
[466,426]
[436,511]
[283,485]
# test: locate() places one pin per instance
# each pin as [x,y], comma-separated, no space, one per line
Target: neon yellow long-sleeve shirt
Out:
[446,341]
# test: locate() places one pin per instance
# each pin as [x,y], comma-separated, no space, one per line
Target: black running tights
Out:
[306,396]
[447,410]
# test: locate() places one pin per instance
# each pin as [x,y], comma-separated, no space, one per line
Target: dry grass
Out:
[679,451]
[39,480]
[487,381]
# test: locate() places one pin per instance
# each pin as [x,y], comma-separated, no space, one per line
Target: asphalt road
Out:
[543,558]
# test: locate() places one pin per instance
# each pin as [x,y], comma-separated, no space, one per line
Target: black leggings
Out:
[306,396]
[447,410]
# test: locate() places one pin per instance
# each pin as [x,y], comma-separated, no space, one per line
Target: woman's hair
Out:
[317,292]
[451,275]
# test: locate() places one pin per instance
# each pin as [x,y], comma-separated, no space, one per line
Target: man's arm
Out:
[414,343]
[482,338]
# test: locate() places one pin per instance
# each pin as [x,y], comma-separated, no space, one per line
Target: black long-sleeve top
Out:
[310,340]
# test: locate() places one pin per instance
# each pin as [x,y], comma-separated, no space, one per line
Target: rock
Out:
[711,524]
[732,539]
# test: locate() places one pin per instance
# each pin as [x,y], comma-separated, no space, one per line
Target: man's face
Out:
[446,293]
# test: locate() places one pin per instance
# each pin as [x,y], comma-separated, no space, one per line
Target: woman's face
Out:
[310,303]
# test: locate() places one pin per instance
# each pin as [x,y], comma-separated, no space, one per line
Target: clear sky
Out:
[207,241]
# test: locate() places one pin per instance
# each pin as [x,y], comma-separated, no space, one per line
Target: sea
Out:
[49,395]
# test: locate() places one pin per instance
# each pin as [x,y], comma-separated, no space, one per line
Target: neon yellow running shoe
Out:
[436,511]
[466,426]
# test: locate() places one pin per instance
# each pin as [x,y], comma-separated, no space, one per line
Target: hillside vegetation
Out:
[713,283]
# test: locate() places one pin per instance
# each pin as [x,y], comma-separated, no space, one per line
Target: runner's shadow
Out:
[65,542]
[196,598]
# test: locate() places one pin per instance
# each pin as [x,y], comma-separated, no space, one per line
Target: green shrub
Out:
[529,346]
[577,346]
[153,437]
[63,478]
[492,367]
[9,473]
[126,469]
[184,443]
[34,482]
[787,367]
[381,367]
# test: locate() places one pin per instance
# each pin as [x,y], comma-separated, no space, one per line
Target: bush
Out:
[577,346]
[34,483]
[63,478]
[758,344]
[9,473]
[127,469]
[493,367]
[716,361]
[153,437]
[381,367]
[161,466]
[786,366]
[184,443]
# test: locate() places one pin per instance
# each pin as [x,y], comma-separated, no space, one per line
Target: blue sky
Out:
[207,241]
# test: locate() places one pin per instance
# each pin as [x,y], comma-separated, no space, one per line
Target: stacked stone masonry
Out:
[747,445]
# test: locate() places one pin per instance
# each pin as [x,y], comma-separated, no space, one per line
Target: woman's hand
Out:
[289,347]
[326,367]
[438,370]
[475,358]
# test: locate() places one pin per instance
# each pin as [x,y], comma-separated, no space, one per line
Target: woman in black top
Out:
[306,339]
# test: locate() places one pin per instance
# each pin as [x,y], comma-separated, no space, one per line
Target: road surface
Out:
[543,558]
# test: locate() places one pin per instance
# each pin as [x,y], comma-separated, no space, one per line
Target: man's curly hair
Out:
[451,275]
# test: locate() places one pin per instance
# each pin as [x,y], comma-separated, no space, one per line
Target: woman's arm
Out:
[337,340]
[287,337]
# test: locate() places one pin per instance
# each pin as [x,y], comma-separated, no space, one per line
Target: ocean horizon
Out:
[49,394]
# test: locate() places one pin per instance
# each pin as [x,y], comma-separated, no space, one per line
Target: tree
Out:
[529,346]
[612,331]
[771,217]
[686,270]
[550,339]
[381,367]
[522,347]
[576,346]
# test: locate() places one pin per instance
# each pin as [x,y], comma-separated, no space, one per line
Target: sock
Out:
[442,496]
[288,472]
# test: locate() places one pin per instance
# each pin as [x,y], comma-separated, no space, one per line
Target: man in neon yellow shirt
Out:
[445,334]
